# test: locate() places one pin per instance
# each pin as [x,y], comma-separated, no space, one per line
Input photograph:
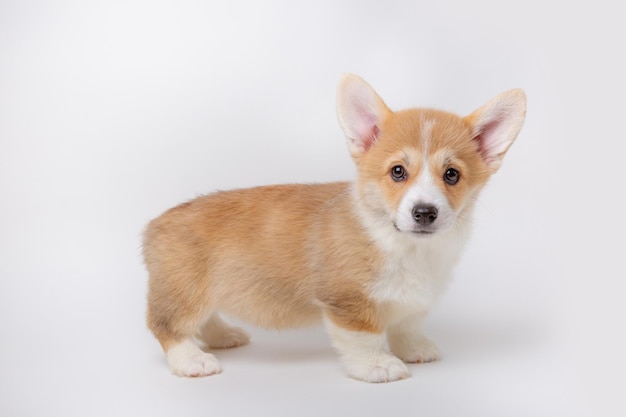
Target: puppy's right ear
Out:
[361,113]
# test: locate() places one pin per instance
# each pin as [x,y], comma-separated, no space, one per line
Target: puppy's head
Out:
[421,169]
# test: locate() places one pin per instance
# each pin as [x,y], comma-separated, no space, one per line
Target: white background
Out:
[113,111]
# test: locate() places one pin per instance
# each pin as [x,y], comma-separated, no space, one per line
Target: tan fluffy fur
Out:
[268,255]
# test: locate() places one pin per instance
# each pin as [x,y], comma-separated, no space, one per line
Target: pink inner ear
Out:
[371,138]
[481,149]
[487,143]
[368,130]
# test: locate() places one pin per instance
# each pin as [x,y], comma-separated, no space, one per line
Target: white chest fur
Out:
[417,269]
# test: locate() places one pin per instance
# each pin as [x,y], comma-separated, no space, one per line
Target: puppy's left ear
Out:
[496,125]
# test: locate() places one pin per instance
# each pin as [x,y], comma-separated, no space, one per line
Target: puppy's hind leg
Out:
[174,328]
[187,359]
[217,334]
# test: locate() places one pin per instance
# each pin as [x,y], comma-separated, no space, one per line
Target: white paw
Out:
[229,338]
[385,368]
[421,350]
[186,359]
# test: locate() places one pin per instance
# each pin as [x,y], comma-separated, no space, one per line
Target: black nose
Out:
[425,214]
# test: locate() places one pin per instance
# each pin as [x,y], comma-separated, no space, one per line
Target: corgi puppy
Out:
[367,258]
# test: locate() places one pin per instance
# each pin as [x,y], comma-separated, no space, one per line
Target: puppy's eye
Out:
[451,176]
[398,173]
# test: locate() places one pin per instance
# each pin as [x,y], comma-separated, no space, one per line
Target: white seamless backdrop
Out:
[113,111]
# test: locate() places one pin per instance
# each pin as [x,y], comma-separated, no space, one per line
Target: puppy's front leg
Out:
[407,341]
[364,355]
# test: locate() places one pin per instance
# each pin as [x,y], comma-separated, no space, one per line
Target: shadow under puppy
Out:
[368,258]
